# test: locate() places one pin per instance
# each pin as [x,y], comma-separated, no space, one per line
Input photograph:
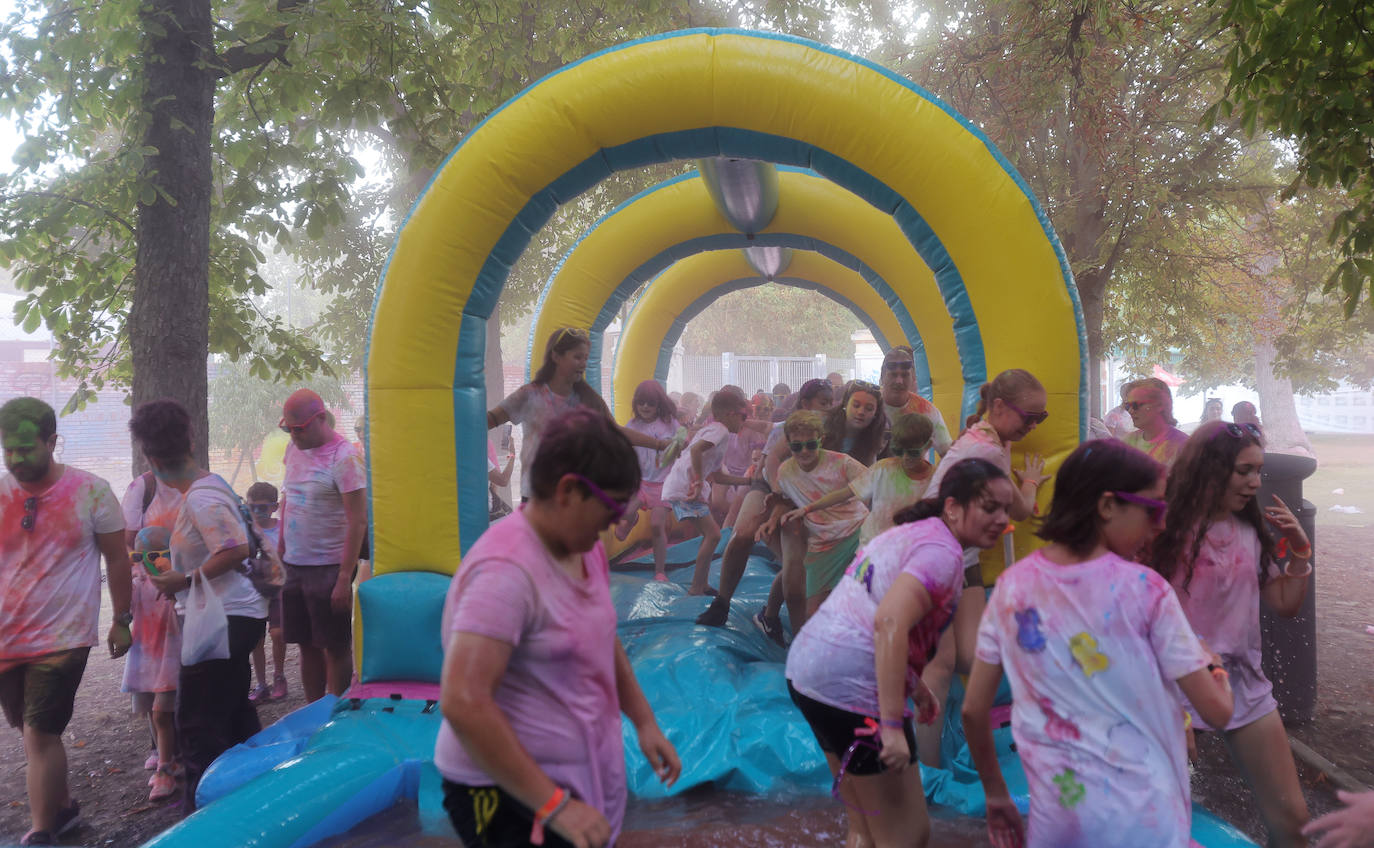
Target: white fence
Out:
[706,374]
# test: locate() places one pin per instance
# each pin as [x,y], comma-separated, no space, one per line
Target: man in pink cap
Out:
[324,522]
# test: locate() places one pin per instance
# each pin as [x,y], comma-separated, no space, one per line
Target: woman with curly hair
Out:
[1222,561]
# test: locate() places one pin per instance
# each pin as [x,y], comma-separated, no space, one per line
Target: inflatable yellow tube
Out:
[675,291]
[680,219]
[1003,279]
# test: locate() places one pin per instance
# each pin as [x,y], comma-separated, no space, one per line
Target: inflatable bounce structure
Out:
[815,168]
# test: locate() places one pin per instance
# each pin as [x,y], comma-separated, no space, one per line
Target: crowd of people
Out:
[1135,626]
[190,617]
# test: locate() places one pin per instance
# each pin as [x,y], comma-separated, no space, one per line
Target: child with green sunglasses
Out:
[889,486]
[832,535]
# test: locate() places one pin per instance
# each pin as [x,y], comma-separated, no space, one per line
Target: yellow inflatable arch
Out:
[1003,287]
[662,311]
[677,219]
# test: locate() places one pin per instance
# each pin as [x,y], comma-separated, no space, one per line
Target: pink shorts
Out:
[651,495]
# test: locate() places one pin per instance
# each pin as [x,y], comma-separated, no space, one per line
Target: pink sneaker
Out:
[150,763]
[164,785]
[278,687]
[260,695]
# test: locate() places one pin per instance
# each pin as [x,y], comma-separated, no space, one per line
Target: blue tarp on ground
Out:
[719,695]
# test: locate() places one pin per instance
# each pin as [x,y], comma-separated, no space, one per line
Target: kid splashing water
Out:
[1092,642]
[1220,557]
[892,484]
[857,661]
[154,659]
[656,417]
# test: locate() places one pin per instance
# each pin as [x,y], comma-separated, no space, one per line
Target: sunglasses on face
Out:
[263,508]
[1028,417]
[1238,431]
[1137,405]
[616,507]
[912,452]
[1155,508]
[149,557]
[798,447]
[297,429]
[30,513]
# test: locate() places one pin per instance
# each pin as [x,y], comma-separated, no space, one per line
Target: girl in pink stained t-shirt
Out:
[1093,644]
[1010,407]
[1220,557]
[655,416]
[853,666]
[535,678]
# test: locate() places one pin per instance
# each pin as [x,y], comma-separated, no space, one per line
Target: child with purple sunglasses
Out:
[1093,643]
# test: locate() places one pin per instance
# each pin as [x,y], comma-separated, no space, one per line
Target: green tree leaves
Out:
[1305,69]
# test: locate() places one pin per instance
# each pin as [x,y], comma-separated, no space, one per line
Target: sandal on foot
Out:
[68,819]
[164,785]
[38,837]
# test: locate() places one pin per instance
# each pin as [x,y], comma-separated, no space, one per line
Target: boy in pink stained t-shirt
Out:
[832,533]
[535,678]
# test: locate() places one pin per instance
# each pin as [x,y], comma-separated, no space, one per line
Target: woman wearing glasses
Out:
[1009,408]
[1223,562]
[1151,407]
[535,678]
[856,663]
[1092,642]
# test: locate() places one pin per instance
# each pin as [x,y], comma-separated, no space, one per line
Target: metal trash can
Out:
[1290,644]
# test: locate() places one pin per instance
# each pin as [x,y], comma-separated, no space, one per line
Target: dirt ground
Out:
[106,746]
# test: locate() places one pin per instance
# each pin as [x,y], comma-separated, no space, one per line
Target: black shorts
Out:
[760,485]
[489,817]
[834,730]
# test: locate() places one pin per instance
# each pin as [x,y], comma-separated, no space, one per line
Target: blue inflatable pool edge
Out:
[718,693]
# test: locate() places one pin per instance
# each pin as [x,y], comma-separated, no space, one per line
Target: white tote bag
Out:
[206,634]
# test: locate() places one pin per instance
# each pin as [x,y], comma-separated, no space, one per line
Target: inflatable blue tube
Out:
[718,693]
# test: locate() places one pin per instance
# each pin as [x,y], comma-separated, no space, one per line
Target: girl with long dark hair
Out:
[855,425]
[1218,552]
[1092,641]
[853,667]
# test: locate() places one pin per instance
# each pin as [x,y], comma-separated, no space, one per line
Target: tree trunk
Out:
[1092,289]
[1278,411]
[169,333]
